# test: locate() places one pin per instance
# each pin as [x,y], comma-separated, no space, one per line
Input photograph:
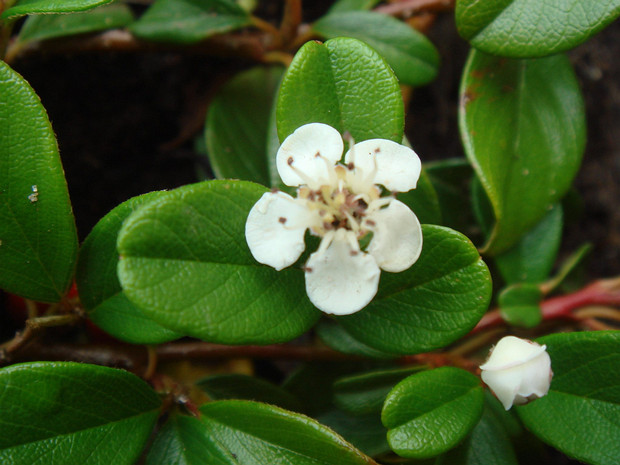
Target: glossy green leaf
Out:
[52,26]
[579,415]
[100,291]
[30,7]
[532,258]
[366,392]
[523,127]
[411,55]
[366,432]
[336,337]
[352,5]
[343,83]
[259,434]
[423,200]
[433,303]
[38,241]
[432,411]
[185,440]
[568,268]
[488,444]
[519,305]
[186,264]
[237,128]
[532,28]
[189,21]
[237,386]
[62,413]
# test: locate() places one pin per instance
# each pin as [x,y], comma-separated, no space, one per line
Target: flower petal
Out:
[511,351]
[387,163]
[275,229]
[307,156]
[397,237]
[341,279]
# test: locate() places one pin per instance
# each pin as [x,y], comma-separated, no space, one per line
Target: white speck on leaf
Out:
[34,197]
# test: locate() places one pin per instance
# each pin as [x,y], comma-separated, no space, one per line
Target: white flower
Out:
[517,371]
[341,203]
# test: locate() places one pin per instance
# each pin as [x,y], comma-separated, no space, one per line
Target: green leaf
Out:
[186,264]
[366,432]
[52,26]
[189,21]
[433,303]
[432,411]
[236,386]
[38,241]
[185,440]
[366,392]
[579,415]
[520,305]
[531,28]
[488,444]
[30,7]
[237,128]
[423,200]
[336,337]
[258,434]
[411,55]
[100,291]
[523,127]
[352,5]
[61,413]
[568,267]
[343,83]
[532,258]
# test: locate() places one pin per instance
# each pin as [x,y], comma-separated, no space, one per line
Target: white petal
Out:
[393,165]
[308,155]
[342,279]
[511,351]
[397,237]
[275,229]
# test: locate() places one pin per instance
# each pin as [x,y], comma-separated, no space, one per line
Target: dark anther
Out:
[350,166]
[307,269]
[290,160]
[282,220]
[377,150]
[317,155]
[362,203]
[353,253]
[275,190]
[370,223]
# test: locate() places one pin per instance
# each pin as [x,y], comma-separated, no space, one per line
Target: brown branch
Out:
[408,7]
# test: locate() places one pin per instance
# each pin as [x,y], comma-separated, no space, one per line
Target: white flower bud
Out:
[517,371]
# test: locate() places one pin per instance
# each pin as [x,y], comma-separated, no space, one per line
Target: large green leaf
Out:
[51,26]
[532,28]
[366,432]
[259,434]
[99,288]
[38,241]
[189,21]
[70,413]
[581,413]
[185,263]
[238,123]
[433,303]
[423,200]
[343,83]
[411,55]
[432,411]
[29,7]
[336,337]
[185,440]
[523,127]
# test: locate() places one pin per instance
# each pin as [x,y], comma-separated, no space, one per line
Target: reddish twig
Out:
[408,7]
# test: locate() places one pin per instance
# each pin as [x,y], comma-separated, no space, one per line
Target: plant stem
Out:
[408,7]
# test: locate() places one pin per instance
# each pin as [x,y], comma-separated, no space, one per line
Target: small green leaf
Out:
[238,123]
[366,432]
[433,303]
[336,337]
[31,7]
[579,415]
[99,288]
[258,434]
[185,440]
[488,444]
[520,305]
[52,26]
[531,28]
[343,83]
[189,21]
[432,411]
[236,386]
[532,258]
[352,5]
[38,241]
[423,200]
[59,413]
[366,392]
[568,267]
[523,127]
[411,55]
[185,263]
